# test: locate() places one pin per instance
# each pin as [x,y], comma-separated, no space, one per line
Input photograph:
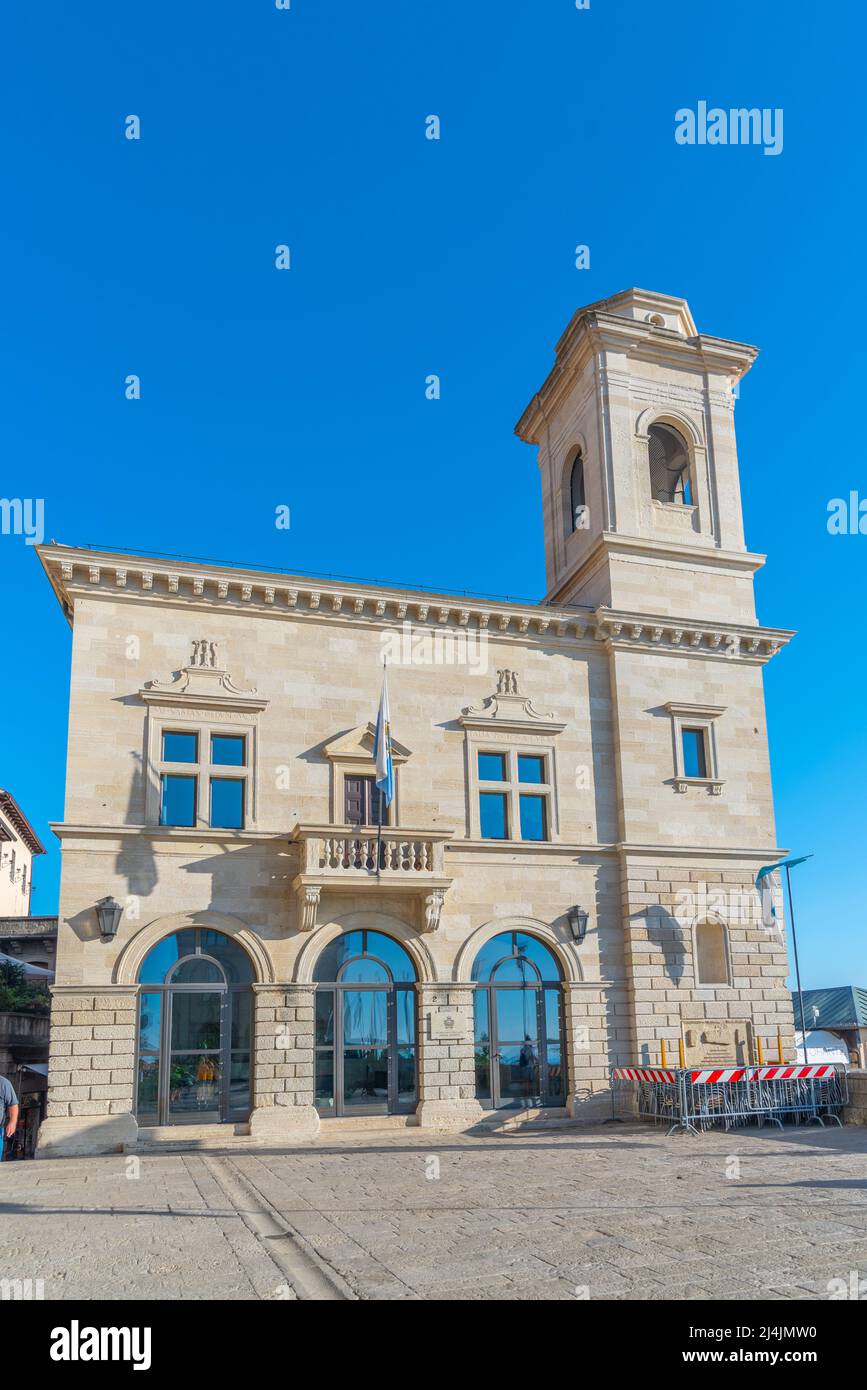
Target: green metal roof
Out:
[845,1007]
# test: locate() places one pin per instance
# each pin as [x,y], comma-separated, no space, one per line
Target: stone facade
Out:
[648,628]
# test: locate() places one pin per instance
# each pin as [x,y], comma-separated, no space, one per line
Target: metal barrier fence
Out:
[696,1099]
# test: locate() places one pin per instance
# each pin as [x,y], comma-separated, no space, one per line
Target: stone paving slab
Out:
[625,1214]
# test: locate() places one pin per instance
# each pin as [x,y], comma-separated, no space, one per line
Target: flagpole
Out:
[379,831]
[797,966]
[380,797]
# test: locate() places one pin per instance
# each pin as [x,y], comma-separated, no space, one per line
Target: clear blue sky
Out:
[262,126]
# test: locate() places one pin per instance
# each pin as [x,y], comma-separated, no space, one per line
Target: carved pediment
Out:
[203,682]
[508,708]
[357,745]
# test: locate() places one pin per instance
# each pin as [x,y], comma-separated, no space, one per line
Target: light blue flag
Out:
[382,747]
[765,886]
[766,890]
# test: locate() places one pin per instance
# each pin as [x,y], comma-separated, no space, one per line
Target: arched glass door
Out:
[519,1044]
[194,1036]
[365,1032]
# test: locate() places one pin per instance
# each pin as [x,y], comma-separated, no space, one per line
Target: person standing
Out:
[8,1112]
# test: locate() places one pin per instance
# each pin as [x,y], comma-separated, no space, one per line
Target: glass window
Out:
[544,960]
[492,767]
[180,748]
[533,818]
[363,971]
[396,958]
[232,957]
[227,803]
[336,952]
[178,804]
[694,753]
[516,970]
[196,1020]
[198,971]
[482,1026]
[350,953]
[149,1019]
[515,944]
[324,1095]
[405,1009]
[324,1017]
[239,1081]
[241,1020]
[531,768]
[148,1088]
[194,942]
[227,750]
[493,818]
[365,1018]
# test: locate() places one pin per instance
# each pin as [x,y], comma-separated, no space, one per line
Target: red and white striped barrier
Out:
[710,1075]
[790,1073]
[642,1074]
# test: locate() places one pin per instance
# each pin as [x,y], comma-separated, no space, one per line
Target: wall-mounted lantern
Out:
[578,917]
[108,915]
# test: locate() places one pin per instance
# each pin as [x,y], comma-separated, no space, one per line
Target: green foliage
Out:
[18,995]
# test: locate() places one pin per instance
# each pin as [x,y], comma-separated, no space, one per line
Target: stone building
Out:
[19,845]
[583,797]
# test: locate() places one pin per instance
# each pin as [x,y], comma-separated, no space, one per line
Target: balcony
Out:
[343,859]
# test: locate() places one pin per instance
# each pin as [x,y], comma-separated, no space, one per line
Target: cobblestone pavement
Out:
[560,1214]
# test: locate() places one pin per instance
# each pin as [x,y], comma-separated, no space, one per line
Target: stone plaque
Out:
[717,1042]
[446,1024]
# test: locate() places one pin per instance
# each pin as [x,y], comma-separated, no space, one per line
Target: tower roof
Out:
[640,323]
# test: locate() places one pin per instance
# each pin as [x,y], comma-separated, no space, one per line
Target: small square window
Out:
[227,803]
[531,768]
[492,767]
[493,816]
[533,818]
[180,748]
[227,750]
[694,745]
[178,801]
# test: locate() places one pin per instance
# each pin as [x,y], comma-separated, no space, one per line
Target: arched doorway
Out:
[194,1030]
[519,1042]
[365,1026]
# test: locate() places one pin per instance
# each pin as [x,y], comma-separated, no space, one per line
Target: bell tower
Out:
[635,431]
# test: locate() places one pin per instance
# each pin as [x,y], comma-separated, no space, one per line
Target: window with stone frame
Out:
[695,746]
[514,795]
[511,766]
[204,775]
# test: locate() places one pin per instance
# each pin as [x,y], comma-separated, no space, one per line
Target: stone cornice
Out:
[76,574]
[624,630]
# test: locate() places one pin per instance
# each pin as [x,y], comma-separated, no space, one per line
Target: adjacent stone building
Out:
[19,846]
[583,797]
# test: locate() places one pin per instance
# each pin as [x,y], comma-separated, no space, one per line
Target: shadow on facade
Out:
[136,862]
[253,882]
